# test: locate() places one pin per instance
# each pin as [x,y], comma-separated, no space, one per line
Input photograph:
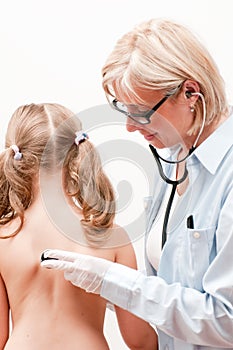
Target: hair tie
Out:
[80,137]
[17,155]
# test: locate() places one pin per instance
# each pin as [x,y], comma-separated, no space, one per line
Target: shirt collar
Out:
[211,152]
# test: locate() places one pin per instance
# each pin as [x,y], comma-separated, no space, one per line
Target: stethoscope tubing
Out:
[174,184]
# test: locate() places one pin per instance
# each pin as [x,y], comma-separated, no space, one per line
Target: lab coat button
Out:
[196,235]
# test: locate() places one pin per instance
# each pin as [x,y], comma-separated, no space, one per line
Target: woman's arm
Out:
[137,333]
[204,316]
[4,315]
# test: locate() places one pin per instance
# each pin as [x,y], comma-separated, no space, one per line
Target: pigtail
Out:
[87,183]
[15,187]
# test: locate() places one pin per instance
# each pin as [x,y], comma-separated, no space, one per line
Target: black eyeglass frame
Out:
[148,115]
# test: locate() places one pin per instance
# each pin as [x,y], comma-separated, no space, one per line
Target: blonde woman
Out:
[46,149]
[164,82]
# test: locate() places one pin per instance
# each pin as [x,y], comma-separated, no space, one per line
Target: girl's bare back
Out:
[41,301]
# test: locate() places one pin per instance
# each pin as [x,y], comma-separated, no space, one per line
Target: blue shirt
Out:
[190,297]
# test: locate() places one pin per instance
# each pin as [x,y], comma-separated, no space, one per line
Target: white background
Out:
[53,51]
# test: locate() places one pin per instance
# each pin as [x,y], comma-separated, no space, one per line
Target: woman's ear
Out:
[190,88]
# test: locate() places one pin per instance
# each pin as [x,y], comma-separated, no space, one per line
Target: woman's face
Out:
[169,124]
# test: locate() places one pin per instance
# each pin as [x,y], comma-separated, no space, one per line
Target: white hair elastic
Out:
[80,137]
[18,155]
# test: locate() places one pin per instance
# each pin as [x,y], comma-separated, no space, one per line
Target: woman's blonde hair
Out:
[45,135]
[160,55]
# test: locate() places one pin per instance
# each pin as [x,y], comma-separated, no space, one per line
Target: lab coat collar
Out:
[212,151]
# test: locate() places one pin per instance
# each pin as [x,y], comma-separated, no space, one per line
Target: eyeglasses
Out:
[139,113]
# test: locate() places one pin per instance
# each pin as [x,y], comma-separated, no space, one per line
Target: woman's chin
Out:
[154,141]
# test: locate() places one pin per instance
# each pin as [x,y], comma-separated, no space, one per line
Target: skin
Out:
[171,122]
[48,312]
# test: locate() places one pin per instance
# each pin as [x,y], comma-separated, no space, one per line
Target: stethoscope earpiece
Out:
[188,94]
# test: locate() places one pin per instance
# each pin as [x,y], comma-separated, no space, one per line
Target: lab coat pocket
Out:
[201,242]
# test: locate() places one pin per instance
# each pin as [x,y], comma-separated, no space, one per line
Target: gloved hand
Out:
[84,271]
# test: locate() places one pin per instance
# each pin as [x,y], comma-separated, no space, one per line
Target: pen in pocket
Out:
[190,222]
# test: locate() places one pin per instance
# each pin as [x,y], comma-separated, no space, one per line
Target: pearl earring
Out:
[192,109]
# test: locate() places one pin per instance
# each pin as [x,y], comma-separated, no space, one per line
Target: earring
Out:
[192,108]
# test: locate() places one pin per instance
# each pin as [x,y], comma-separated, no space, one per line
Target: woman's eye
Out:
[137,109]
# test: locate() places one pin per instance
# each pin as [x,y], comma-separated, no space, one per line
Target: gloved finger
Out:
[58,265]
[75,276]
[60,254]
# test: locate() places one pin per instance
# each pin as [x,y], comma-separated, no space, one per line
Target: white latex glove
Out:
[84,271]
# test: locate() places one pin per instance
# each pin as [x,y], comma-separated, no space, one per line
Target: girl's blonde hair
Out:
[160,55]
[45,135]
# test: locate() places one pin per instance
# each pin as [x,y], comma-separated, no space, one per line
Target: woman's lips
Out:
[149,137]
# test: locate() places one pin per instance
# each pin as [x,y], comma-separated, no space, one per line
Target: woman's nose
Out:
[131,125]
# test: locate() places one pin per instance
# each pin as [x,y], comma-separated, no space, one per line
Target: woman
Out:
[46,150]
[170,90]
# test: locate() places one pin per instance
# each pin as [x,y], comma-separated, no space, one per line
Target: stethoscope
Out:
[175,183]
